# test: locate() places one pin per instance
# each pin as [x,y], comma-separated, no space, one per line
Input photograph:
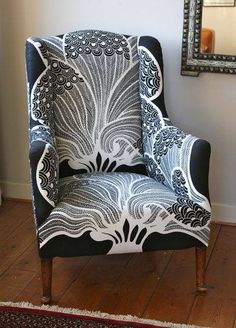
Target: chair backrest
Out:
[85,86]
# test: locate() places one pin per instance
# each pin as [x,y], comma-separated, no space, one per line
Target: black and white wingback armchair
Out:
[110,173]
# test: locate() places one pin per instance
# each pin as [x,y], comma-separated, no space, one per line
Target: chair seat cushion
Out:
[125,210]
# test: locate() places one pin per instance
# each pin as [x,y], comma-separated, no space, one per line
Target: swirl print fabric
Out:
[167,151]
[97,108]
[124,208]
[88,93]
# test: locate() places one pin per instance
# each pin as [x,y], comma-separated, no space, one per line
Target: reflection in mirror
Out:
[207,41]
[208,45]
[219,30]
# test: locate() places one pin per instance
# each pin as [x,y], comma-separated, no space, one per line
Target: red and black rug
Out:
[25,315]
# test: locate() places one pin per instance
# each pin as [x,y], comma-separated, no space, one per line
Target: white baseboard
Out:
[16,190]
[222,213]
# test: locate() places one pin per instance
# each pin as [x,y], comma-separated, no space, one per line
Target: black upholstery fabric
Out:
[64,246]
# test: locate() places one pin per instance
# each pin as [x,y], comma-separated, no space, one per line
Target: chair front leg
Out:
[200,269]
[46,273]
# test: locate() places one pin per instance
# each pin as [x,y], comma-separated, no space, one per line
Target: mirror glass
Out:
[218,34]
[209,37]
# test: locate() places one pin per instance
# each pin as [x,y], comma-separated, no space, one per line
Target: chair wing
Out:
[44,161]
[174,158]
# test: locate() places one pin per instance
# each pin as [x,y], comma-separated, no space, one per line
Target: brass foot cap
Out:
[45,300]
[201,290]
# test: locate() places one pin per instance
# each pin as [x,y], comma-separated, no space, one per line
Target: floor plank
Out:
[29,259]
[218,307]
[12,282]
[95,279]
[16,243]
[175,294]
[12,215]
[65,272]
[133,289]
[6,206]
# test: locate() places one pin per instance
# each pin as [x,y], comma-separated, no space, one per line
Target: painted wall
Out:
[204,106]
[223,21]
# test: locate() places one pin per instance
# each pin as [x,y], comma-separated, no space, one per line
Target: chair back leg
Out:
[200,269]
[46,273]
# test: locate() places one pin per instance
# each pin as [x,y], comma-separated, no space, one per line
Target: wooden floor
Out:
[156,285]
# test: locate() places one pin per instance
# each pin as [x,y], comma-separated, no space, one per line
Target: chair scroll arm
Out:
[179,161]
[44,166]
[199,166]
[192,158]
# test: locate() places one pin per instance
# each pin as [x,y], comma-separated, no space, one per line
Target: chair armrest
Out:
[179,161]
[173,157]
[44,166]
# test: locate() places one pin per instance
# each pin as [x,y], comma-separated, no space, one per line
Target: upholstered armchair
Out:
[110,173]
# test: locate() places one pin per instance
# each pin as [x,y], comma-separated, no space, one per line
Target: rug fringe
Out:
[97,314]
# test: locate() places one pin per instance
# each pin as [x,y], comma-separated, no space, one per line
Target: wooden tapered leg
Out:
[46,272]
[200,269]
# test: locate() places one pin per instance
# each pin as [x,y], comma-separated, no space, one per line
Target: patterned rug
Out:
[26,315]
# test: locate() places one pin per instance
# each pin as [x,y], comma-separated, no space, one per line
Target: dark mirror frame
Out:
[193,61]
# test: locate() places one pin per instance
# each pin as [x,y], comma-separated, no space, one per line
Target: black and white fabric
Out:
[110,173]
[123,208]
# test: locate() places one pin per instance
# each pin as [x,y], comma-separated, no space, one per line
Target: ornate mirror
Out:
[209,37]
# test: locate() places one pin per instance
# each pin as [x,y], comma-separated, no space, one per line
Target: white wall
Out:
[204,106]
